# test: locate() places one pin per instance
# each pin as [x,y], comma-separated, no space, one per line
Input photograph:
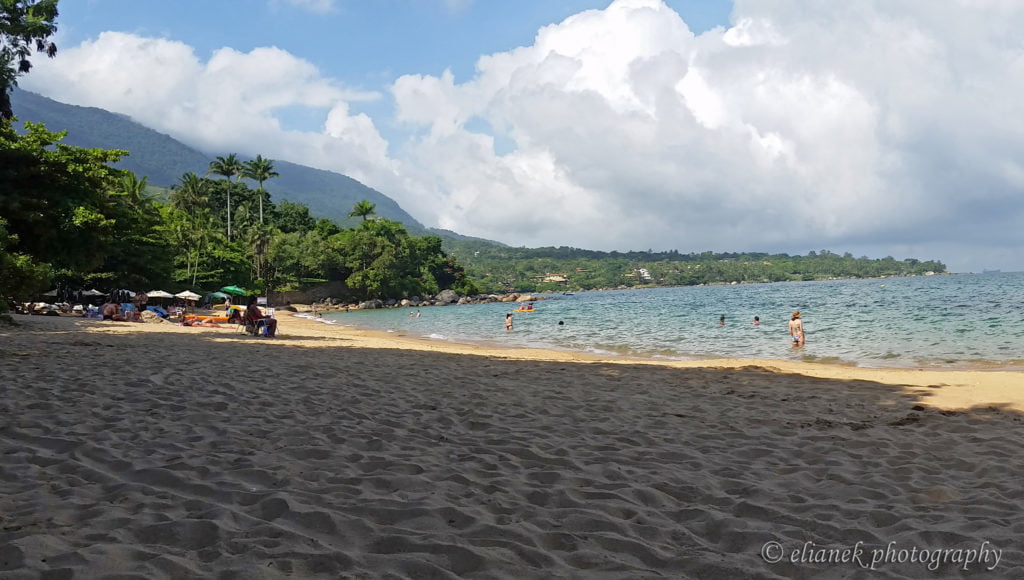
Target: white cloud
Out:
[871,127]
[457,5]
[225,104]
[805,125]
[315,6]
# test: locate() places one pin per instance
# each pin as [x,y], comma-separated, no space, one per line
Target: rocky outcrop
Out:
[447,296]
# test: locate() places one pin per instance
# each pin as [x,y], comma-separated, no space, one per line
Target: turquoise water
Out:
[963,320]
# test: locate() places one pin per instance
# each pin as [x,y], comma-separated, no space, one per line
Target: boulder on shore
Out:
[447,296]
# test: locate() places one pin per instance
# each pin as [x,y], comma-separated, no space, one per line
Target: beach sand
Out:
[157,451]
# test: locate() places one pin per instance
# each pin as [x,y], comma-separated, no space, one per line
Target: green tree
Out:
[137,255]
[260,170]
[189,195]
[363,209]
[20,275]
[55,197]
[292,217]
[227,167]
[191,223]
[24,24]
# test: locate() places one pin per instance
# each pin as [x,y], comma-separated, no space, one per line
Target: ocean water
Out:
[960,320]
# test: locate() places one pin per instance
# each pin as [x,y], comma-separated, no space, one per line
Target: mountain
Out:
[163,160]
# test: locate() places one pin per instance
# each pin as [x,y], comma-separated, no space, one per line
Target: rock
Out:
[510,297]
[371,304]
[447,296]
[465,300]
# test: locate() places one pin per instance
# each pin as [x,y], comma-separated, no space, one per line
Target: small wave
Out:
[436,336]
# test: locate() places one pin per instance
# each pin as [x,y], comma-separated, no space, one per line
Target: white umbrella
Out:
[93,293]
[188,295]
[51,293]
[159,294]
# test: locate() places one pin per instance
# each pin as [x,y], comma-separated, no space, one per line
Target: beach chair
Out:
[251,327]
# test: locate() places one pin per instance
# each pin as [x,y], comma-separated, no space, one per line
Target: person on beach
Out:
[796,329]
[112,311]
[508,321]
[756,322]
[253,316]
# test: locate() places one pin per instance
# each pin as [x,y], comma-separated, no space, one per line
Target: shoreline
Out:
[985,382]
[953,389]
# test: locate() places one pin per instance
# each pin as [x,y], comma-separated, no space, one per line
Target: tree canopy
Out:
[70,218]
[24,25]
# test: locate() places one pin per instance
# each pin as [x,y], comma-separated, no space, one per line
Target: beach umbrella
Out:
[188,295]
[234,290]
[51,293]
[93,292]
[159,294]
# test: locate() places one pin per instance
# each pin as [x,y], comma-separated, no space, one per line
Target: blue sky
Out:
[746,125]
[364,43]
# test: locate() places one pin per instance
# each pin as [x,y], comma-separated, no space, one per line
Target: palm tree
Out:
[363,209]
[133,188]
[190,194]
[259,170]
[227,167]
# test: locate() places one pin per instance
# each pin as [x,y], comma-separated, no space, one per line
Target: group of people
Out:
[252,317]
[796,327]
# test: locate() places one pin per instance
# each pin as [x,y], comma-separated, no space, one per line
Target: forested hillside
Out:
[163,160]
[564,268]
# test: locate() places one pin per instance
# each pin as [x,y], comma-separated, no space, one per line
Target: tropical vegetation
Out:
[501,268]
[71,219]
[24,24]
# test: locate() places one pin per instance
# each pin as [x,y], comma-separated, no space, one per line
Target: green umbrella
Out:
[234,290]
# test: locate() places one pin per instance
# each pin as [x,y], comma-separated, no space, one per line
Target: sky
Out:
[875,127]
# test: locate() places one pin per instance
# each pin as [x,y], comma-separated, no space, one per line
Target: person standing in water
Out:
[757,321]
[796,329]
[721,320]
[508,321]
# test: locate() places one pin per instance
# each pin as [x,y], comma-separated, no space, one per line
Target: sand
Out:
[157,451]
